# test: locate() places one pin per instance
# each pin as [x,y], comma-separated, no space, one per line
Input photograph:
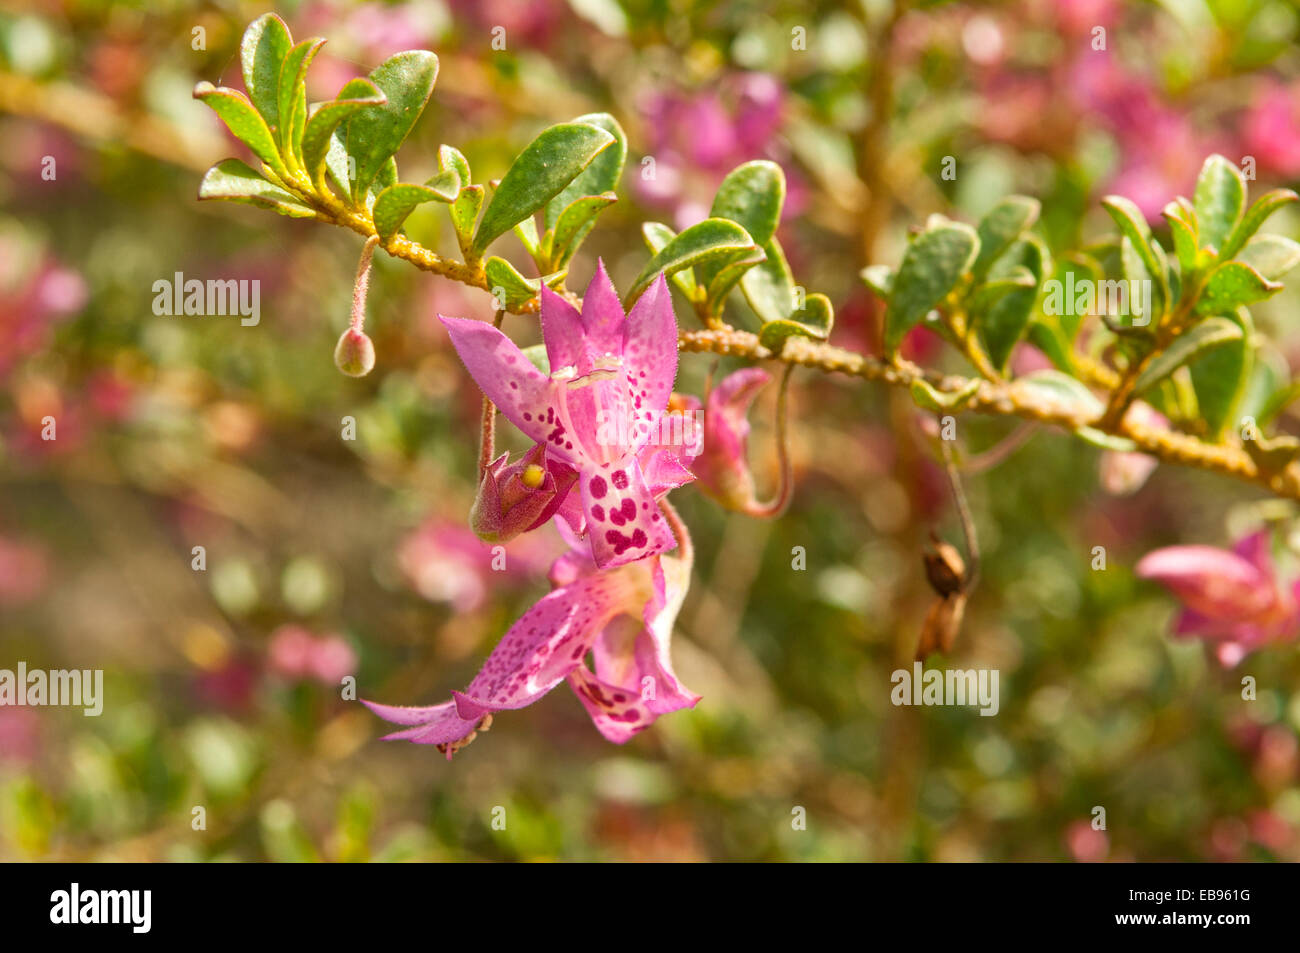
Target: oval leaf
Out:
[234,181]
[710,239]
[1220,195]
[933,263]
[538,174]
[600,176]
[374,135]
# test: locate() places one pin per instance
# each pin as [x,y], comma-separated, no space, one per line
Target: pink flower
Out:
[1271,130]
[297,654]
[24,571]
[445,562]
[1232,598]
[1123,474]
[596,412]
[697,138]
[723,464]
[633,682]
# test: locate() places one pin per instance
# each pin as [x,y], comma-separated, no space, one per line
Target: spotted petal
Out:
[623,520]
[526,396]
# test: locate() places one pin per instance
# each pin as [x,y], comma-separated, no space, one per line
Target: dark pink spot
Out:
[619,479]
[598,513]
[597,487]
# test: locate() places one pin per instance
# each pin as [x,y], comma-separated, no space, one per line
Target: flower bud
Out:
[354,355]
[722,466]
[516,497]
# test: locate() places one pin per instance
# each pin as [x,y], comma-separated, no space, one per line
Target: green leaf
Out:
[1256,215]
[813,321]
[1220,195]
[526,232]
[355,95]
[374,135]
[1106,441]
[292,98]
[599,177]
[769,285]
[1183,232]
[1137,277]
[1220,376]
[1002,319]
[518,289]
[262,50]
[1271,255]
[726,273]
[1210,333]
[711,239]
[657,235]
[1133,225]
[1231,284]
[1002,226]
[538,174]
[396,202]
[929,398]
[537,355]
[752,195]
[932,265]
[449,157]
[574,223]
[234,181]
[880,279]
[243,120]
[1059,390]
[464,213]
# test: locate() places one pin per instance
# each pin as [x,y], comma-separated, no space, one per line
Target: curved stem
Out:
[964,514]
[776,506]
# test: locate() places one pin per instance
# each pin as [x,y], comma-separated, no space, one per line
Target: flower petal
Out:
[602,315]
[650,352]
[563,333]
[623,520]
[1213,582]
[524,394]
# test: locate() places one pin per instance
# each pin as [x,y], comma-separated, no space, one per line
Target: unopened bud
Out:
[354,355]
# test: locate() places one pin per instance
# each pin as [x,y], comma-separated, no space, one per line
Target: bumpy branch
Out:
[1004,399]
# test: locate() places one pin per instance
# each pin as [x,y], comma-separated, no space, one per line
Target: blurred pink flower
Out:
[696,139]
[1271,129]
[723,464]
[19,735]
[1086,845]
[445,562]
[24,571]
[1123,474]
[31,303]
[1231,598]
[297,654]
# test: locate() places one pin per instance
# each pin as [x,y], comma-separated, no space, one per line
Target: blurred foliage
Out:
[177,432]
